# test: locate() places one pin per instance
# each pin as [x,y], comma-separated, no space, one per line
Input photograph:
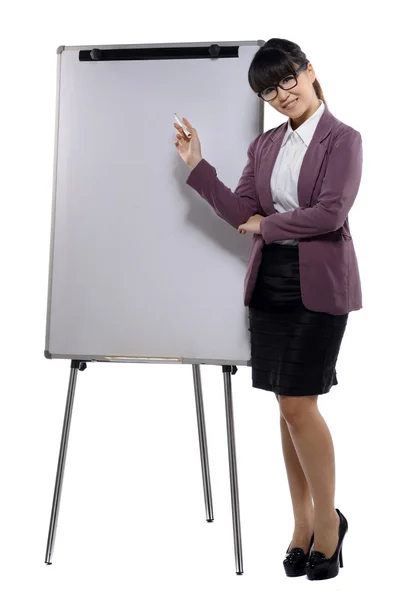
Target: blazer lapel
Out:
[310,166]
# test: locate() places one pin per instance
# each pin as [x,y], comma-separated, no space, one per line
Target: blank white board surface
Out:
[140,265]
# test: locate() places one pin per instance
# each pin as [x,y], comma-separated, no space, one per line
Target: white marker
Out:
[185,129]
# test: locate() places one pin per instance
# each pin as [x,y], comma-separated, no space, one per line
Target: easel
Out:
[227,371]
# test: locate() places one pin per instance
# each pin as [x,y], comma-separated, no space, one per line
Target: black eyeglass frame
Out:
[295,73]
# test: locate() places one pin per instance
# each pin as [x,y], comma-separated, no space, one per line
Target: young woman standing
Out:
[294,196]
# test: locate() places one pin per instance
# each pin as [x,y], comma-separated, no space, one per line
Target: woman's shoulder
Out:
[342,132]
[340,128]
[261,137]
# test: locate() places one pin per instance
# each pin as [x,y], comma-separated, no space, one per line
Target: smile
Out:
[292,104]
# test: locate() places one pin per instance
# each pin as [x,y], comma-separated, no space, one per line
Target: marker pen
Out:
[185,129]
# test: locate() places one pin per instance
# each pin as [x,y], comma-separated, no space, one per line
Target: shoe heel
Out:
[320,567]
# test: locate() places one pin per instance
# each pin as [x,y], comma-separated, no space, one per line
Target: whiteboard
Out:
[141,267]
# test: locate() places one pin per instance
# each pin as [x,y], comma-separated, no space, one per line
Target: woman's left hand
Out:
[252,225]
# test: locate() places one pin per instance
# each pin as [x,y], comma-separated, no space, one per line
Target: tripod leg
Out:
[203,443]
[75,365]
[233,470]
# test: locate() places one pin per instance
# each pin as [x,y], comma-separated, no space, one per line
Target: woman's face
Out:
[303,93]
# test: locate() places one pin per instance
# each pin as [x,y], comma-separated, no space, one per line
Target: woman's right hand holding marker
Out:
[188,148]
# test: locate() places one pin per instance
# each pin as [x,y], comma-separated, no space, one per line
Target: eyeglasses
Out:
[287,83]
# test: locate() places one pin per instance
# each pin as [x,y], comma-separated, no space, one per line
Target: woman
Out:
[301,235]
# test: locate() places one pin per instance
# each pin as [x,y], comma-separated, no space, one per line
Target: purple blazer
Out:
[328,184]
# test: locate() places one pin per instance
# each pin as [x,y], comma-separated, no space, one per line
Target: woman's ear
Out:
[311,72]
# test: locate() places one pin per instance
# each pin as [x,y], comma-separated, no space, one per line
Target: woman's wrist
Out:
[195,163]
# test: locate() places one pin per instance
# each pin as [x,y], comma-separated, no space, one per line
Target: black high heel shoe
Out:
[320,567]
[295,561]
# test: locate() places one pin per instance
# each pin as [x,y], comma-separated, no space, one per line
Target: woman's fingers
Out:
[179,128]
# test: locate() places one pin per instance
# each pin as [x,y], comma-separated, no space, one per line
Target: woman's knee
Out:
[293,408]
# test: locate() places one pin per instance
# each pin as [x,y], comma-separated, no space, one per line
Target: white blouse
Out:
[286,170]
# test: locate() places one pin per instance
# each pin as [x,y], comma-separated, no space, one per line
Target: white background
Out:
[132,516]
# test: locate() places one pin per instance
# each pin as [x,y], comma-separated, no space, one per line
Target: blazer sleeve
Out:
[338,193]
[234,207]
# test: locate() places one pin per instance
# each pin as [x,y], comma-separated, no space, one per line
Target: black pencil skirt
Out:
[293,349]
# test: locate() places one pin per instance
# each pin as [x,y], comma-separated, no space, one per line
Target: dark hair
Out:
[275,60]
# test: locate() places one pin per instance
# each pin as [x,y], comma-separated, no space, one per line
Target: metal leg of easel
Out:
[227,371]
[205,470]
[75,365]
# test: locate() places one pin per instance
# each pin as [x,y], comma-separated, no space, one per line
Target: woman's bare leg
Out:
[303,510]
[314,448]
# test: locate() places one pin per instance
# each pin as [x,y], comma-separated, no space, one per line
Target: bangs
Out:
[269,67]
